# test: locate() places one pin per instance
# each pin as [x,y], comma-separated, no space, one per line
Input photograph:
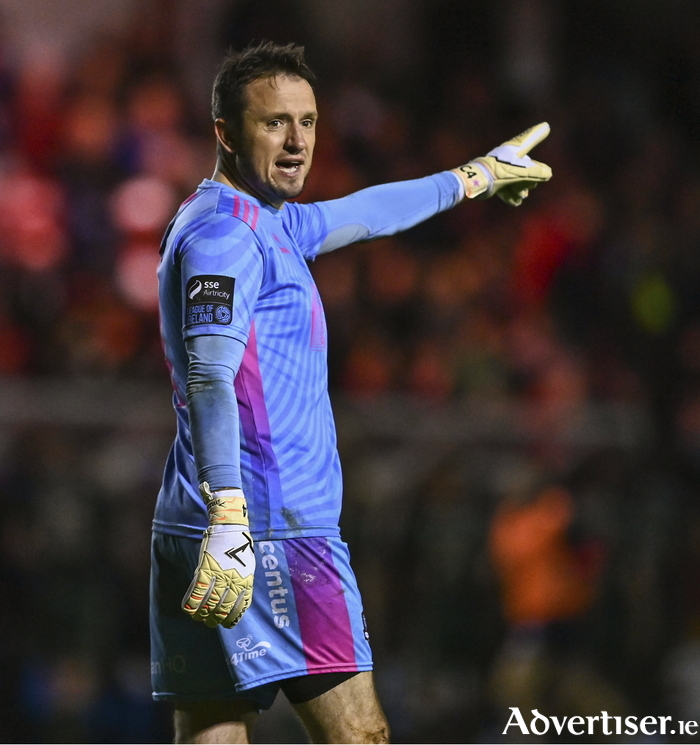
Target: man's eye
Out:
[274,123]
[308,123]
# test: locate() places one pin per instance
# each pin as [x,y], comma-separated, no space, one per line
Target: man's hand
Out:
[507,170]
[222,587]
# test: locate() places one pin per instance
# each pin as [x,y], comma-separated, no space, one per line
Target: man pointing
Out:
[246,523]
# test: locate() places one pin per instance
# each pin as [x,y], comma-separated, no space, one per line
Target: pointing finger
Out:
[529,138]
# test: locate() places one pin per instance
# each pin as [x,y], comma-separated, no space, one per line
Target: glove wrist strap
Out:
[477,179]
[225,506]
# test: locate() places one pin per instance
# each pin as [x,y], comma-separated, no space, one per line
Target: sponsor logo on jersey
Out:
[196,288]
[209,300]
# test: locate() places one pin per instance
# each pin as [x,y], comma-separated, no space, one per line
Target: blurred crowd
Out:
[551,569]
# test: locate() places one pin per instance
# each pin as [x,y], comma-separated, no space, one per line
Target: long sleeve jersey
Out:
[235,267]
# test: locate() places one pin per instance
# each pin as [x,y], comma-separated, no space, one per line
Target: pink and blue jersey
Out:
[235,267]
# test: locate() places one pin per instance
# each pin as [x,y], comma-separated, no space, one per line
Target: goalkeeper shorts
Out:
[306,618]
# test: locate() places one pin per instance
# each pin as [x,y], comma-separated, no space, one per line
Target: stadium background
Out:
[517,391]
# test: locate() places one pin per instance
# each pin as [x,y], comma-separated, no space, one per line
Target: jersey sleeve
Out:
[221,266]
[373,213]
[213,410]
[308,224]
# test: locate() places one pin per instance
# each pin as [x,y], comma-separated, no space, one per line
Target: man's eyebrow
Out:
[287,116]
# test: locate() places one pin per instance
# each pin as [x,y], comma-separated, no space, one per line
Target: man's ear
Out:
[224,135]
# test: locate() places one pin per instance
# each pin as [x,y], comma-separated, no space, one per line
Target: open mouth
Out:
[290,167]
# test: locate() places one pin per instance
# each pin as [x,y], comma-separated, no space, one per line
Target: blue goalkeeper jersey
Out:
[234,266]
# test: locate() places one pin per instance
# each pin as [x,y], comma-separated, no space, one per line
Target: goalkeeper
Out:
[246,540]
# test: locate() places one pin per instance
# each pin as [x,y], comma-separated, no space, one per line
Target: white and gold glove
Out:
[507,170]
[222,587]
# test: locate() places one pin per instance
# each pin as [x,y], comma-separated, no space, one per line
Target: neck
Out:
[226,172]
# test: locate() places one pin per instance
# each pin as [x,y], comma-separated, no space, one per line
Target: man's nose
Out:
[296,142]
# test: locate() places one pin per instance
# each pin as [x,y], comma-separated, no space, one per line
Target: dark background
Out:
[517,390]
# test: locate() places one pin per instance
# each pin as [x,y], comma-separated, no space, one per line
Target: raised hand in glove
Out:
[222,587]
[507,170]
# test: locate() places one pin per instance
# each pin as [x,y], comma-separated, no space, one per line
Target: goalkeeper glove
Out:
[222,587]
[507,170]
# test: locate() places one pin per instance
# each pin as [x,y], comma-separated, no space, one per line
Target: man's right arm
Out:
[223,583]
[213,410]
[221,270]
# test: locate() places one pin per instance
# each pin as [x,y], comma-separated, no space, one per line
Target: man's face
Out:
[275,144]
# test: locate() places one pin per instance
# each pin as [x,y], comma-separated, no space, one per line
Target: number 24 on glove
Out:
[222,588]
[507,170]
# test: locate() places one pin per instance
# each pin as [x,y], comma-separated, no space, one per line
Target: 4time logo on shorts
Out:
[209,300]
[249,652]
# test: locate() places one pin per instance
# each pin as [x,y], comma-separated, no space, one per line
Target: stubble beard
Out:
[290,191]
[269,189]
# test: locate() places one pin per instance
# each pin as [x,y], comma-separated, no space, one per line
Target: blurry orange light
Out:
[143,205]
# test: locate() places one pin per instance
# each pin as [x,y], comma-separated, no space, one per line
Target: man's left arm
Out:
[379,211]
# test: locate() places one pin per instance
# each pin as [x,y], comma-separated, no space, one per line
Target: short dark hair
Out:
[263,60]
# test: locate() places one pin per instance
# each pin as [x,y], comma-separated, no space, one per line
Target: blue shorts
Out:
[306,617]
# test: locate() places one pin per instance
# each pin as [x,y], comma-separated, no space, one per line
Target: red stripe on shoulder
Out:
[246,211]
[189,199]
